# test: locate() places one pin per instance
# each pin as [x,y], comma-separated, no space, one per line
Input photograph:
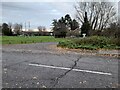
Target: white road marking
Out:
[77,70]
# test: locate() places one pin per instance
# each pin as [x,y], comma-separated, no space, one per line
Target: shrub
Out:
[68,44]
[94,40]
[92,43]
[6,30]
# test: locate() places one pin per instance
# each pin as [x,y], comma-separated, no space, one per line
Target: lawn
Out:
[28,39]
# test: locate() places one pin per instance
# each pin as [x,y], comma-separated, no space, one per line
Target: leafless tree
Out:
[17,28]
[100,14]
[44,28]
[41,29]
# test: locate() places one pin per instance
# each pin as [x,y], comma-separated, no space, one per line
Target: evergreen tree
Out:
[6,30]
[61,26]
[86,26]
[71,24]
[68,21]
[74,25]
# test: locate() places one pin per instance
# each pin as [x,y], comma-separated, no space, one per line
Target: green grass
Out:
[28,39]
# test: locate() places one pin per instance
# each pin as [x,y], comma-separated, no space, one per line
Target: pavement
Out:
[38,66]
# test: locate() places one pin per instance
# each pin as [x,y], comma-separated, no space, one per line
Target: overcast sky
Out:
[37,13]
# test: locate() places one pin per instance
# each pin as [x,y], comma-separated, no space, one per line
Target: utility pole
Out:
[29,25]
[25,26]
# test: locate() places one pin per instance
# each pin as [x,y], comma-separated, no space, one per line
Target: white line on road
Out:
[77,70]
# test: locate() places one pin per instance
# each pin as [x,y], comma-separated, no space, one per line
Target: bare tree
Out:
[44,28]
[100,14]
[17,28]
[41,29]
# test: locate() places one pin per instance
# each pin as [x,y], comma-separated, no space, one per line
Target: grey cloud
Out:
[15,6]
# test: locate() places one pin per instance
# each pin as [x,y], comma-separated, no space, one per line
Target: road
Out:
[37,66]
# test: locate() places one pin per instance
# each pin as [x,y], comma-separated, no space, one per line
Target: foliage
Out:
[73,33]
[6,30]
[69,44]
[17,29]
[94,42]
[74,25]
[64,24]
[86,26]
[112,31]
[59,28]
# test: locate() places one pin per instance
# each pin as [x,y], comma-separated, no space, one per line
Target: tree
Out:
[71,24]
[6,30]
[68,21]
[74,25]
[85,29]
[112,31]
[64,25]
[17,28]
[10,25]
[44,28]
[100,14]
[73,33]
[41,30]
[62,28]
[59,28]
[0,29]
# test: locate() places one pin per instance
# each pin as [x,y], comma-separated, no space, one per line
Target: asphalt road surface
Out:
[37,66]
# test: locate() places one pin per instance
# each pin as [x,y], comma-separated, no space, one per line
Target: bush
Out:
[68,44]
[6,30]
[73,33]
[94,40]
[92,43]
